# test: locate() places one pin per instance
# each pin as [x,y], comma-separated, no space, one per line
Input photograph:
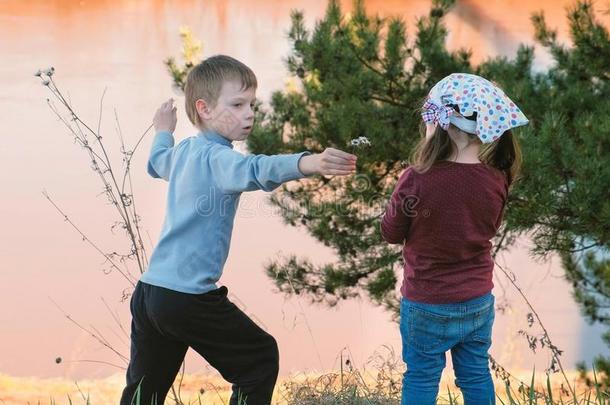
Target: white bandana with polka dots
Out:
[496,112]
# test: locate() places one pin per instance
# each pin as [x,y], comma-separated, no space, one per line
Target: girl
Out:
[445,209]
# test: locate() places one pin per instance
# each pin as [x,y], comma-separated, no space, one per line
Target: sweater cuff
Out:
[164,138]
[298,159]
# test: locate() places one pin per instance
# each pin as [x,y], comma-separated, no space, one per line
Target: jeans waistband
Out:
[465,306]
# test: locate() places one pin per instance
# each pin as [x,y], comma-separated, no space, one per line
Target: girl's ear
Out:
[203,109]
[430,128]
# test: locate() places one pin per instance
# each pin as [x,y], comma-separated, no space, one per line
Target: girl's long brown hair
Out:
[504,154]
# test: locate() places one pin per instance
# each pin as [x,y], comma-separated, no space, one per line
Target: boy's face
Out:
[233,114]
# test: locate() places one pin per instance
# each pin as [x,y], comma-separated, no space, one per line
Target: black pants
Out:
[166,322]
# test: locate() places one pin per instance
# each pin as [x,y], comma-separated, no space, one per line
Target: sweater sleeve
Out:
[235,172]
[500,217]
[399,212]
[160,159]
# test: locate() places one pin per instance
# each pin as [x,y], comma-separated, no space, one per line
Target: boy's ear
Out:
[203,109]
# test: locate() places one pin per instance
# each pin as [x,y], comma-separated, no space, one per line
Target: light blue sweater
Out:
[206,178]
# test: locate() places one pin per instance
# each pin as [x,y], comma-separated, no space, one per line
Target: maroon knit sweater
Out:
[446,219]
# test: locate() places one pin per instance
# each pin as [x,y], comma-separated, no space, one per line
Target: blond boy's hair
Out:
[205,81]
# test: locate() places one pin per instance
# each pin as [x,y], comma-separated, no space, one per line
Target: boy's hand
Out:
[331,161]
[165,117]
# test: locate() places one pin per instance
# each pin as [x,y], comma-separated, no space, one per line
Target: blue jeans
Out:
[429,330]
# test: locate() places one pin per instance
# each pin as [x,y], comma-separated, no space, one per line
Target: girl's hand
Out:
[331,161]
[165,117]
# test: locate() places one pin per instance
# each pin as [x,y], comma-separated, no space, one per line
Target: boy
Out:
[176,303]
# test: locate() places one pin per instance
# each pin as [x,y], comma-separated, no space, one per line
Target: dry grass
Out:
[349,386]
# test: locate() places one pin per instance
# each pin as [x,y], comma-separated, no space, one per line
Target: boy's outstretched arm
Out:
[331,161]
[235,172]
[164,121]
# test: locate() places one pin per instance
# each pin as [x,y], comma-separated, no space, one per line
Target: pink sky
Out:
[120,45]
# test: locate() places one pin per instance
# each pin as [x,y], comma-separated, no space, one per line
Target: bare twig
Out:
[115,316]
[554,350]
[86,239]
[80,391]
[96,361]
[128,155]
[93,335]
[81,137]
